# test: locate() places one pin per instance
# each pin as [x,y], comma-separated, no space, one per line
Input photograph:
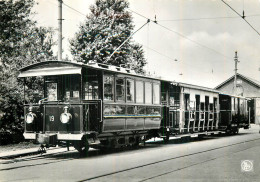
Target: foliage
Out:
[107,26]
[22,43]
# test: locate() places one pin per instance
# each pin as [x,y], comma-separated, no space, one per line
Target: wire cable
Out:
[243,17]
[73,9]
[148,21]
[183,36]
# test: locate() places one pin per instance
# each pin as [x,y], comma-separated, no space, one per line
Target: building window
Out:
[130,90]
[108,87]
[156,93]
[148,92]
[139,92]
[120,89]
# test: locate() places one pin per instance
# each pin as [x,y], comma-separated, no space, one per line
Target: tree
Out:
[107,26]
[22,43]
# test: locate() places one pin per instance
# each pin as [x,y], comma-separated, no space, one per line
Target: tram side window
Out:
[197,102]
[202,106]
[120,89]
[108,87]
[148,92]
[215,104]
[156,93]
[130,90]
[139,92]
[206,103]
[186,102]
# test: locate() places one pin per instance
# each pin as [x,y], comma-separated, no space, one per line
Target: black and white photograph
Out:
[129,90]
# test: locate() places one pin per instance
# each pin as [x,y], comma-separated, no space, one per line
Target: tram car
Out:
[99,106]
[233,113]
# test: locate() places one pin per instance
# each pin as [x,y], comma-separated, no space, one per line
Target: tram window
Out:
[197,102]
[156,93]
[52,91]
[139,92]
[114,110]
[148,93]
[131,110]
[71,87]
[152,110]
[211,107]
[215,104]
[108,87]
[120,110]
[110,110]
[207,103]
[130,90]
[202,106]
[186,101]
[242,108]
[140,110]
[91,90]
[164,93]
[120,89]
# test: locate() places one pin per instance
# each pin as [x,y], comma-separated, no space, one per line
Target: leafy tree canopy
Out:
[22,43]
[107,26]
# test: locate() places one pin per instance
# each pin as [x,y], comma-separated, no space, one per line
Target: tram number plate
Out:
[51,118]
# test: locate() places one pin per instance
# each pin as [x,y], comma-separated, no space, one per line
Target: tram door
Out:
[174,117]
[93,116]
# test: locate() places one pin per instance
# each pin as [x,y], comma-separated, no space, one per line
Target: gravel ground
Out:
[19,146]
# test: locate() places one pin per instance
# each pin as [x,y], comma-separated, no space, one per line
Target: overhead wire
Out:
[156,22]
[243,17]
[148,21]
[184,36]
[73,9]
[169,30]
[131,35]
[206,18]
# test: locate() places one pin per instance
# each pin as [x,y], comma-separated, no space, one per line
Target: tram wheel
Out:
[167,137]
[82,147]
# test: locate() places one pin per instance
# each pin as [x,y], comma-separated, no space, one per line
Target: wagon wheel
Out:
[137,141]
[236,131]
[167,137]
[82,146]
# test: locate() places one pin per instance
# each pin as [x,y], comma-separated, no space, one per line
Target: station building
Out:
[246,87]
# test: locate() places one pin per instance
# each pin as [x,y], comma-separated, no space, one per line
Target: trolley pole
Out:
[60,31]
[235,78]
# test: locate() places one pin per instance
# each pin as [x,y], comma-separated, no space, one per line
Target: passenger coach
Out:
[96,105]
[91,105]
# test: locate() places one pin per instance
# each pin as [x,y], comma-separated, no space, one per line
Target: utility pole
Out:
[235,78]
[60,31]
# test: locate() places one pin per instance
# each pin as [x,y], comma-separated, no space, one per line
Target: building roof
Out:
[253,81]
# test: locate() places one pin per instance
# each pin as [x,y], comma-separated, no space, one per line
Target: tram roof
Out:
[48,68]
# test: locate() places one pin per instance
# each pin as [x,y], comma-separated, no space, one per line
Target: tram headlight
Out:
[29,118]
[66,116]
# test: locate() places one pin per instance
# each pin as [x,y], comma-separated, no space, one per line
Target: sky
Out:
[194,41]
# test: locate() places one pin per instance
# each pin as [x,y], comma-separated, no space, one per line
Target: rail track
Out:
[174,158]
[72,155]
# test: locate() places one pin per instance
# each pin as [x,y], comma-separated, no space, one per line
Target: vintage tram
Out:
[97,105]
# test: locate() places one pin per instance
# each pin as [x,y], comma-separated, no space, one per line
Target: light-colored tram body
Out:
[96,105]
[188,108]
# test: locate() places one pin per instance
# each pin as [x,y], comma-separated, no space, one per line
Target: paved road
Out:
[215,158]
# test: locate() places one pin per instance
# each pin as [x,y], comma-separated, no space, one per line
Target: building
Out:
[246,87]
